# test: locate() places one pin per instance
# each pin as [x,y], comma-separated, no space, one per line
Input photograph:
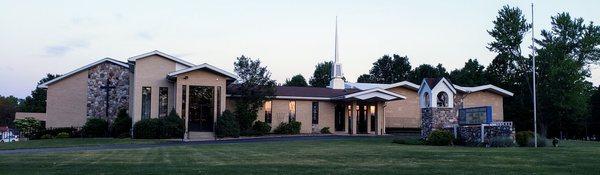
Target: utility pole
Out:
[533,74]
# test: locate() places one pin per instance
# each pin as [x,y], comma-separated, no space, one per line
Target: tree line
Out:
[568,104]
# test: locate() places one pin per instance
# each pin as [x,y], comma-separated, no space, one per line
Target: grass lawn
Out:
[353,156]
[70,142]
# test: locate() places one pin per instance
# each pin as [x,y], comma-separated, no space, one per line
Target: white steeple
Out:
[336,70]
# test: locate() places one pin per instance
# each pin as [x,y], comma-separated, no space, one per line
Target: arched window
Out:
[427,99]
[442,100]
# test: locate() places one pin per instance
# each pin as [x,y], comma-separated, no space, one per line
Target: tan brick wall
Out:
[67,101]
[152,72]
[403,113]
[483,98]
[38,116]
[280,111]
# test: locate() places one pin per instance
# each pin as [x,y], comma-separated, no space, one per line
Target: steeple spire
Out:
[336,68]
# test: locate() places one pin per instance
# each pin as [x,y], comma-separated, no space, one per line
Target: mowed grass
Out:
[352,156]
[70,142]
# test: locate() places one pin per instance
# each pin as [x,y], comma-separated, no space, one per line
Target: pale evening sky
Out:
[290,37]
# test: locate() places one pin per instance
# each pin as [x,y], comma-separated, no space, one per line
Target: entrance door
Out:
[201,108]
[339,118]
[362,119]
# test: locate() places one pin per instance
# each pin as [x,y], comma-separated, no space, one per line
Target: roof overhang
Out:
[45,85]
[375,94]
[159,53]
[488,87]
[406,84]
[230,76]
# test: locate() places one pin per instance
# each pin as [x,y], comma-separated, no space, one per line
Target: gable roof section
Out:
[159,53]
[407,84]
[374,93]
[365,86]
[300,93]
[204,66]
[488,87]
[45,85]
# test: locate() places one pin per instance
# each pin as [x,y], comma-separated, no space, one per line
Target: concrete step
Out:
[201,136]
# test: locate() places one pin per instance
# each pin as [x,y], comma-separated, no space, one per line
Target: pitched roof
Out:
[291,92]
[45,85]
[489,87]
[159,53]
[365,86]
[431,82]
[204,66]
[375,93]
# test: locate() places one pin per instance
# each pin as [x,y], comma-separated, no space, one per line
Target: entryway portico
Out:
[200,97]
[363,112]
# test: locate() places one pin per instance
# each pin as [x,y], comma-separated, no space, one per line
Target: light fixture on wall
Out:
[185,78]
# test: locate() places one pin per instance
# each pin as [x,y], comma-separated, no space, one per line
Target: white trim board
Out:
[45,85]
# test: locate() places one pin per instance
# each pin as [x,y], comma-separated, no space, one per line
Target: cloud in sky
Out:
[289,37]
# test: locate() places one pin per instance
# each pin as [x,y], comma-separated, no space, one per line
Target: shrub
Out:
[174,125]
[227,125]
[288,128]
[122,124]
[72,131]
[261,128]
[325,130]
[523,137]
[409,141]
[95,127]
[63,135]
[542,142]
[29,127]
[149,129]
[440,138]
[502,141]
[46,136]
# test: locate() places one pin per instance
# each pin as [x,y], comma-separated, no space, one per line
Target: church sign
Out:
[475,116]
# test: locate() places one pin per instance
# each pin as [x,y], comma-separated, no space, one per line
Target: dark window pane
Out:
[315,112]
[146,101]
[163,101]
[183,100]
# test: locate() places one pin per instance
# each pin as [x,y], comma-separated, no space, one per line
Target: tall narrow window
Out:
[218,97]
[315,112]
[146,101]
[292,114]
[163,101]
[183,100]
[268,111]
[373,115]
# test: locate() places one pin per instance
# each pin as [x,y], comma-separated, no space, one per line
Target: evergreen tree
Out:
[472,74]
[255,85]
[390,69]
[509,69]
[36,102]
[296,80]
[321,75]
[427,71]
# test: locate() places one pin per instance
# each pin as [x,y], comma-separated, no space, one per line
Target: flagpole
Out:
[533,74]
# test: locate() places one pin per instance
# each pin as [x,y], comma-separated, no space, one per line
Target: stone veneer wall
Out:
[118,96]
[471,135]
[436,118]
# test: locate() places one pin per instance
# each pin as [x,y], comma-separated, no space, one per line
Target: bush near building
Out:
[502,142]
[121,127]
[440,138]
[95,127]
[261,128]
[293,127]
[227,125]
[29,127]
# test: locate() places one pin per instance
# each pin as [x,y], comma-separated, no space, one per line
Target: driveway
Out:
[178,143]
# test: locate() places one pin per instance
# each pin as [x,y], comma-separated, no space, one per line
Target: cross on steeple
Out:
[107,87]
